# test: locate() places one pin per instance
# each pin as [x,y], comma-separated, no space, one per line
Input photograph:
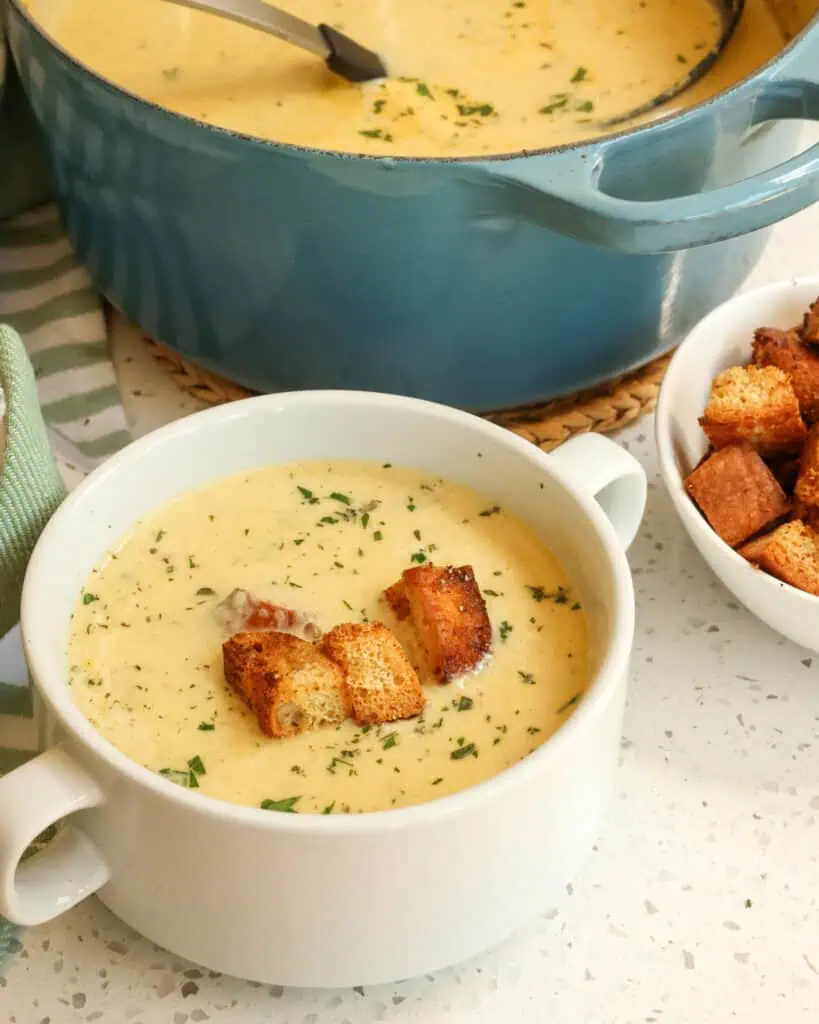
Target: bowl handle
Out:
[40,887]
[562,191]
[30,484]
[616,480]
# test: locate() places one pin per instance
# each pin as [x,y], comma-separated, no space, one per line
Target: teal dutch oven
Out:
[479,283]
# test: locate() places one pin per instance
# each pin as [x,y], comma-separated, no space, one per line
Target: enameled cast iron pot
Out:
[476,283]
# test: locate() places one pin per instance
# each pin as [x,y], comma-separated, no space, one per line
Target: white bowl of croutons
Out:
[737,428]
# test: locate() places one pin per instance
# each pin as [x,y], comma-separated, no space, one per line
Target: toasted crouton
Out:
[287,682]
[785,350]
[449,618]
[737,493]
[756,405]
[396,598]
[810,324]
[807,483]
[381,683]
[752,549]
[792,555]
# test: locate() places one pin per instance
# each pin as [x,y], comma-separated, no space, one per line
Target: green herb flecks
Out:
[465,750]
[580,75]
[495,510]
[197,765]
[390,740]
[527,678]
[205,592]
[423,90]
[89,598]
[504,630]
[338,496]
[206,726]
[465,703]
[308,496]
[569,703]
[288,804]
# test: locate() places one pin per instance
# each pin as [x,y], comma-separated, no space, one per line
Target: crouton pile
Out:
[758,485]
[360,670]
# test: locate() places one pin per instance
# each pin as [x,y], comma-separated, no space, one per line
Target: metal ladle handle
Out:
[342,55]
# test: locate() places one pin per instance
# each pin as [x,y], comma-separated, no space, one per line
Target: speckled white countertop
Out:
[700,904]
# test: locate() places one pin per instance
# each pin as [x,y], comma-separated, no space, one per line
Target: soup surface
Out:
[145,661]
[466,78]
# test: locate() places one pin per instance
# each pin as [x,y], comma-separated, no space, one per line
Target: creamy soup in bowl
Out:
[465,79]
[161,818]
[326,538]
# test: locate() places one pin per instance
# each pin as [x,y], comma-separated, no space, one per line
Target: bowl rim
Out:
[705,336]
[55,691]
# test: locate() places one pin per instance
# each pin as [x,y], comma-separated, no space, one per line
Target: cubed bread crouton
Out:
[752,549]
[807,483]
[737,493]
[289,684]
[757,405]
[396,598]
[381,683]
[449,618]
[784,349]
[810,324]
[792,555]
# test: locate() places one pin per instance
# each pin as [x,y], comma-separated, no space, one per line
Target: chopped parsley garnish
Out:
[464,751]
[465,703]
[490,511]
[89,598]
[423,90]
[418,557]
[538,593]
[365,519]
[556,104]
[197,765]
[328,519]
[343,498]
[579,75]
[569,703]
[410,505]
[504,630]
[481,109]
[378,106]
[186,779]
[389,740]
[585,108]
[287,804]
[378,535]
[207,726]
[329,808]
[491,593]
[437,781]
[376,133]
[205,592]
[527,677]
[191,563]
[160,534]
[308,496]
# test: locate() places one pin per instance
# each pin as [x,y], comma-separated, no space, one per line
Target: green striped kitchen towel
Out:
[48,298]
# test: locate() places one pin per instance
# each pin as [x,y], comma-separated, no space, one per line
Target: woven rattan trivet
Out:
[603,409]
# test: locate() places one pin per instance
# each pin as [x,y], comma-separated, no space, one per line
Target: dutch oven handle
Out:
[562,191]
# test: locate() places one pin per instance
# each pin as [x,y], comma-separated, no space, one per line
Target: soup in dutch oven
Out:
[467,79]
[329,637]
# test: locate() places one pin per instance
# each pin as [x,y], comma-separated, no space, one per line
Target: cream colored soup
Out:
[468,78]
[145,646]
